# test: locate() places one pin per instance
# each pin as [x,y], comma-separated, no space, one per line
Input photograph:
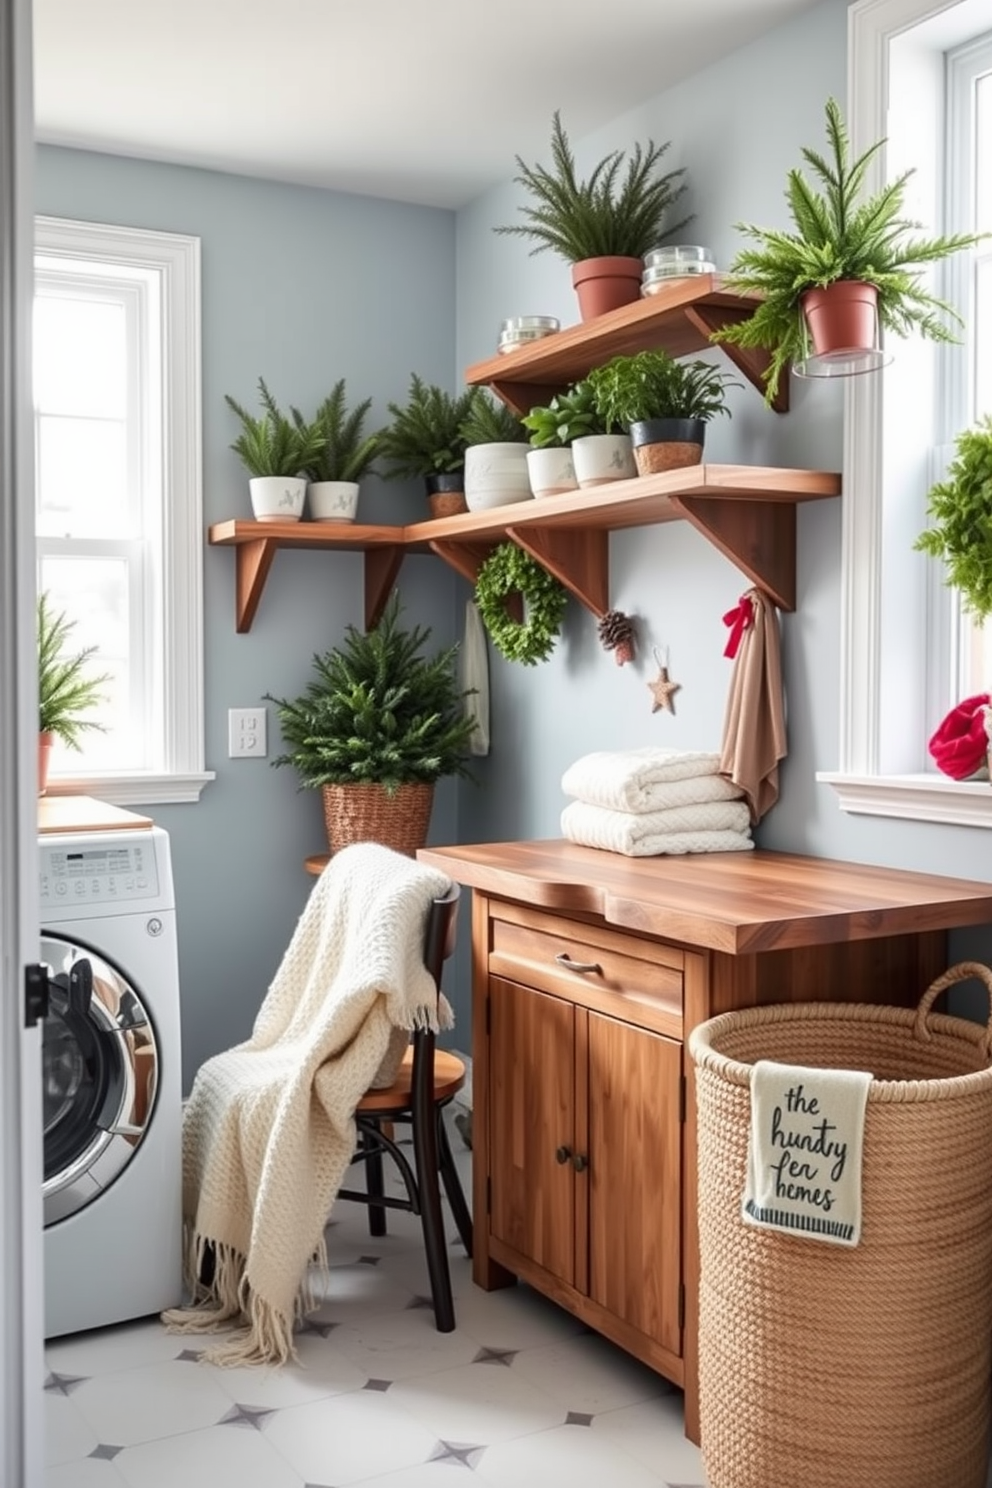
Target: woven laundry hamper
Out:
[861,1367]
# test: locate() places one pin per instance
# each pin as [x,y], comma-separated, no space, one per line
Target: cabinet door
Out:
[531,1117]
[635,1177]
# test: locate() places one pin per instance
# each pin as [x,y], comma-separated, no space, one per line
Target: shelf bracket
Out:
[759,537]
[751,361]
[521,397]
[467,558]
[578,558]
[252,563]
[381,568]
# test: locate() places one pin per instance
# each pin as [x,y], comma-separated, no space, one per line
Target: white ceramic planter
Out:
[277,498]
[603,457]
[333,501]
[496,475]
[551,471]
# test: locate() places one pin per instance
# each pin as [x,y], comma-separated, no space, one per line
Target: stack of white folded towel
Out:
[644,802]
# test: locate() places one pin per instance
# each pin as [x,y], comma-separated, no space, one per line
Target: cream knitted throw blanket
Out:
[269,1129]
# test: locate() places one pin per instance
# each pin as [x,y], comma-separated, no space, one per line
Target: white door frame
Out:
[21,1323]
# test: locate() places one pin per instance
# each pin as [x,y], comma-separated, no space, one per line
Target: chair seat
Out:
[449,1077]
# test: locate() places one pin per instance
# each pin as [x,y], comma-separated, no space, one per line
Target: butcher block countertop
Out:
[739,903]
[85,814]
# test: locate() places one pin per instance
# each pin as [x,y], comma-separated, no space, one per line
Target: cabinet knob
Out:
[584,967]
[580,1163]
[563,1154]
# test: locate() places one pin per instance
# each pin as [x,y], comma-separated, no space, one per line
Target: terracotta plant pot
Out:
[446,494]
[604,284]
[842,318]
[667,444]
[45,742]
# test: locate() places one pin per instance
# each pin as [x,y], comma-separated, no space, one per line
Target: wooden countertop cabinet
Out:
[589,969]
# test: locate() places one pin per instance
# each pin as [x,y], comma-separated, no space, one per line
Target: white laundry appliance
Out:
[112,1080]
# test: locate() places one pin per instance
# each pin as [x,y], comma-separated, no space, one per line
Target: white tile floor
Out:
[519,1396]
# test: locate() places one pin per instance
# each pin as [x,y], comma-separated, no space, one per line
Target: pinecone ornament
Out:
[616,632]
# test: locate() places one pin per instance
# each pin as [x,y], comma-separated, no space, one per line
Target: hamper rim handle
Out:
[962,971]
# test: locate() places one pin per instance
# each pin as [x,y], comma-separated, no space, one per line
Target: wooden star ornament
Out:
[663,690]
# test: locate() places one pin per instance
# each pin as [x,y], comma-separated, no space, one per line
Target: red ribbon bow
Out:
[739,618]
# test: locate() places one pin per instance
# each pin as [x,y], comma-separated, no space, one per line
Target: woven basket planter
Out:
[866,1367]
[366,813]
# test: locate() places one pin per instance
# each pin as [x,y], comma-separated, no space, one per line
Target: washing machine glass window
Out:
[99,1076]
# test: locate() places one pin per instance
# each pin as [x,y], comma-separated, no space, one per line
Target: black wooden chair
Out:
[428,1078]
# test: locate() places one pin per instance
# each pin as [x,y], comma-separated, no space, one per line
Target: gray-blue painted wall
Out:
[305,286]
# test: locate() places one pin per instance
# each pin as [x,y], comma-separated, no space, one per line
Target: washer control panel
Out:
[98,875]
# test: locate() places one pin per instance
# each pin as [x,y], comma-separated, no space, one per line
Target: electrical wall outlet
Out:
[246,733]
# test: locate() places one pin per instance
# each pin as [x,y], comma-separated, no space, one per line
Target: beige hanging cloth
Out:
[474,661]
[754,737]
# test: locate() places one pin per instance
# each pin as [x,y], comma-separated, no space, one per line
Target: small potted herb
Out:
[602,226]
[664,405]
[495,455]
[274,449]
[425,439]
[550,467]
[601,449]
[346,455]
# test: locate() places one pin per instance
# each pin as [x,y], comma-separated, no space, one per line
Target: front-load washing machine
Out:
[112,1084]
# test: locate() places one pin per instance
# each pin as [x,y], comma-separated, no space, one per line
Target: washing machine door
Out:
[99,1076]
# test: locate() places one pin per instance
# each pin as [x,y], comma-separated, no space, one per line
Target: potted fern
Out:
[664,404]
[849,270]
[376,727]
[495,455]
[425,440]
[604,225]
[275,449]
[346,454]
[67,688]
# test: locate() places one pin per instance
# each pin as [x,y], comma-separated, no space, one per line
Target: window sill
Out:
[133,790]
[933,798]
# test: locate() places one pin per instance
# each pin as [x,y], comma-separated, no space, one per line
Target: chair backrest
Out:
[439,936]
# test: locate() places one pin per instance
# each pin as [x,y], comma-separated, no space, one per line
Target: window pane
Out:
[80,357]
[82,478]
[95,593]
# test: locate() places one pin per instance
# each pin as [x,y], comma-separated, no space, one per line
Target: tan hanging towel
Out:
[754,736]
[475,675]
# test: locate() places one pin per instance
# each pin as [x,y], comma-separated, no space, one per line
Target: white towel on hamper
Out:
[804,1151]
[623,779]
[715,826]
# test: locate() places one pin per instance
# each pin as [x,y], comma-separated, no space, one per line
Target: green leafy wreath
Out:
[509,570]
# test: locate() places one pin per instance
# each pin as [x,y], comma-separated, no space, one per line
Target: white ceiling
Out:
[416,100]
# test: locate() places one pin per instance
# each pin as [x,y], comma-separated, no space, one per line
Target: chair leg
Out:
[375,1189]
[432,1221]
[453,1186]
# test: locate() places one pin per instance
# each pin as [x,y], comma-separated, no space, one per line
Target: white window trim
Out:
[860,787]
[177,259]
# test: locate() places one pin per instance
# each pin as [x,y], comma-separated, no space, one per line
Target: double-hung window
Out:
[118,496]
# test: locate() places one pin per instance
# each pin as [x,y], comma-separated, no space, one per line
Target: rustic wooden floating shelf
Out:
[680,320]
[748,512]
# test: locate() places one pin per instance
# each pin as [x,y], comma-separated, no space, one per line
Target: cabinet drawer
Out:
[622,975]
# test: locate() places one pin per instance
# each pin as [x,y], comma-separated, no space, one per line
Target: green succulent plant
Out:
[960,508]
[652,384]
[273,444]
[377,710]
[346,453]
[569,416]
[425,436]
[606,214]
[839,234]
[67,688]
[491,422]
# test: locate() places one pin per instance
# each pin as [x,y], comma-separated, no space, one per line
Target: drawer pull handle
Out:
[563,1154]
[580,1163]
[584,967]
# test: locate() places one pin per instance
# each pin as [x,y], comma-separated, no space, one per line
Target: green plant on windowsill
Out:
[68,689]
[960,508]
[491,422]
[839,234]
[425,436]
[653,385]
[274,444]
[606,214]
[343,452]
